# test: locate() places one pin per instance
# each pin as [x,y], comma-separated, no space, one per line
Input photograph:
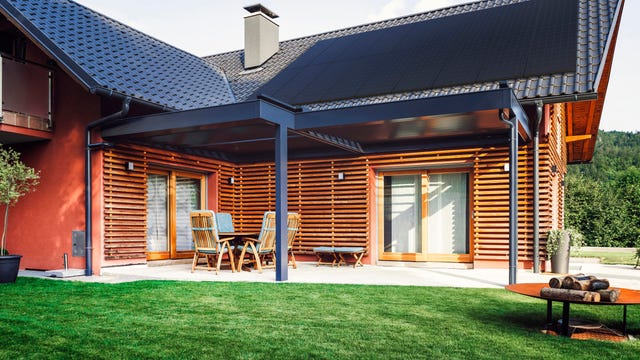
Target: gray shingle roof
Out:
[104,53]
[595,20]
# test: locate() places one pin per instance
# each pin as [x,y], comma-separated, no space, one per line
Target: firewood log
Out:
[609,295]
[577,282]
[598,284]
[569,294]
[556,282]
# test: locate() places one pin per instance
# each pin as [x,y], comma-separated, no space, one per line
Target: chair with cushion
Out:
[261,248]
[207,243]
[225,222]
[293,225]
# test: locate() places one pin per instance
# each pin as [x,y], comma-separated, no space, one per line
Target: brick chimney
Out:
[261,40]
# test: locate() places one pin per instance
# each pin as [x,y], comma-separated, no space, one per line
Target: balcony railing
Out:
[26,93]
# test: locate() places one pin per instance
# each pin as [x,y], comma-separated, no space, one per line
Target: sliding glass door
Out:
[404,213]
[425,216]
[171,196]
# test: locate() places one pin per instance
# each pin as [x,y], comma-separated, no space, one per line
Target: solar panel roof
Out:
[532,38]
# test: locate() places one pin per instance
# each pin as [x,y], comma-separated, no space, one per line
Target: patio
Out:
[307,272]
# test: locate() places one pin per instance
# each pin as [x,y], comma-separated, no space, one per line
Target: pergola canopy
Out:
[244,132]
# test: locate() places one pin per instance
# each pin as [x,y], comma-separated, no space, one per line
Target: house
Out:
[440,137]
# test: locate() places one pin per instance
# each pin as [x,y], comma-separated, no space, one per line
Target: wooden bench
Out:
[337,255]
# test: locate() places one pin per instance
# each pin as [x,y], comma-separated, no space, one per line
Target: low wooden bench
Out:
[330,255]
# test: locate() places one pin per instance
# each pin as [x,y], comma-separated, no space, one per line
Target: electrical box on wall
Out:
[77,243]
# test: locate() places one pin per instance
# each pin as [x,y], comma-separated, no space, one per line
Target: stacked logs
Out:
[580,287]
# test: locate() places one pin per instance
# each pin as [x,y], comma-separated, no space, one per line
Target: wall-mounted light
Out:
[554,169]
[562,183]
[506,167]
[340,176]
[129,166]
[231,180]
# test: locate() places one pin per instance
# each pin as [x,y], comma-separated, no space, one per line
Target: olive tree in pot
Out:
[559,243]
[16,180]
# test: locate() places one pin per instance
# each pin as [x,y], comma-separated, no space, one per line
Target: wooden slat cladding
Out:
[556,149]
[337,212]
[125,213]
[124,206]
[334,212]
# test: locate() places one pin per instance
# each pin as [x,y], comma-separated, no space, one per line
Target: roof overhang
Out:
[245,132]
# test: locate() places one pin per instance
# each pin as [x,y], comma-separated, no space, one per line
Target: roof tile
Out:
[102,47]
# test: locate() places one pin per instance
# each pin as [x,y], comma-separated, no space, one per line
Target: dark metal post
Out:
[536,188]
[565,318]
[513,195]
[282,258]
[513,202]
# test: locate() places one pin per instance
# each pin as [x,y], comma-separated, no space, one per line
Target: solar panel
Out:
[533,38]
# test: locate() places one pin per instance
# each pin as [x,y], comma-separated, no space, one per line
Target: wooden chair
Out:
[207,243]
[263,248]
[293,225]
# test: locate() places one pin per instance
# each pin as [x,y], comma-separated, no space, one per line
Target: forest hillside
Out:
[603,197]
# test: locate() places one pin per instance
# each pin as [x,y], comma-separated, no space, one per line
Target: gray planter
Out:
[9,266]
[560,260]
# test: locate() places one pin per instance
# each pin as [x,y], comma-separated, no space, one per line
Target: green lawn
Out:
[48,319]
[608,257]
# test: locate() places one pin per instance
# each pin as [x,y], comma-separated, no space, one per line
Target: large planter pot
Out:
[9,266]
[560,260]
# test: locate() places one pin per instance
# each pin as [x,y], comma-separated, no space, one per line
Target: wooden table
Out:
[237,235]
[627,297]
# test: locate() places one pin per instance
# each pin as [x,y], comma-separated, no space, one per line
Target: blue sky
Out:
[205,27]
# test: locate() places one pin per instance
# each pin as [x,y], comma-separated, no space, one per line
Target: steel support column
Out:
[513,194]
[282,258]
[513,202]
[536,188]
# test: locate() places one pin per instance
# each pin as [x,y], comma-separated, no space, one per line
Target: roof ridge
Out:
[379,22]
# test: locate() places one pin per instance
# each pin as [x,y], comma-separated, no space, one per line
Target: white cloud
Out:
[426,5]
[391,9]
[397,8]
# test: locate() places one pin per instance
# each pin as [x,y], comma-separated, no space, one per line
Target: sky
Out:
[207,27]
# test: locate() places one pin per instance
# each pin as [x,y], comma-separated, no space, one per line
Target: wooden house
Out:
[436,138]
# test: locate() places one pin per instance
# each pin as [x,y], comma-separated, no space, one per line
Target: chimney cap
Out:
[262,9]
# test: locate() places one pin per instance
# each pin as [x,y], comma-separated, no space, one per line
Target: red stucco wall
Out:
[41,224]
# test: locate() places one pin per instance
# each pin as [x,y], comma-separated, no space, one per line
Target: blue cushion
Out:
[323,249]
[211,252]
[347,249]
[225,222]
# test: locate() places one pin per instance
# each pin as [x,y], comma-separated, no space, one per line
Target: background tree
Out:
[603,198]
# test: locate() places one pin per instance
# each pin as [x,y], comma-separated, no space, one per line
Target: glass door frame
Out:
[173,253]
[462,258]
[424,182]
[424,255]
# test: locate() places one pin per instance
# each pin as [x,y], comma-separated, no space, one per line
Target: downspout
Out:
[536,188]
[88,203]
[513,195]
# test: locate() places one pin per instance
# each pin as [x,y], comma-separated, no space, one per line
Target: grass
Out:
[48,319]
[608,257]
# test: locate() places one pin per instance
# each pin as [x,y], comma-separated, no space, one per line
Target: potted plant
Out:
[16,180]
[559,243]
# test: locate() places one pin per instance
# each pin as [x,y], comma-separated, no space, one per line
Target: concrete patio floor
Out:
[307,272]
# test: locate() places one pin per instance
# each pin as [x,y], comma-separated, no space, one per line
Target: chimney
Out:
[261,38]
